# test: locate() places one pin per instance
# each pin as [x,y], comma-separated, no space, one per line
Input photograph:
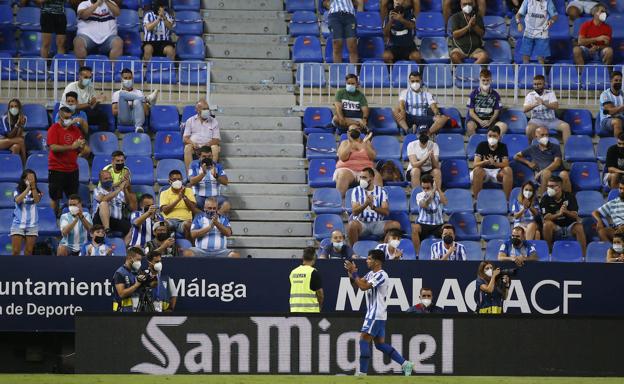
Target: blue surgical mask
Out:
[107,184]
[350,88]
[85,82]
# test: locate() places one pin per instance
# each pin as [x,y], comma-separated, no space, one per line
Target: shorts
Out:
[583,6]
[418,120]
[210,252]
[408,175]
[103,48]
[552,125]
[472,53]
[116,225]
[564,232]
[490,175]
[176,225]
[427,230]
[158,46]
[31,231]
[375,328]
[596,56]
[535,47]
[402,52]
[374,228]
[63,182]
[607,123]
[53,23]
[479,127]
[342,25]
[356,174]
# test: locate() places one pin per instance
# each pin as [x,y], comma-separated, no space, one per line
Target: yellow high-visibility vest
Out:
[302,298]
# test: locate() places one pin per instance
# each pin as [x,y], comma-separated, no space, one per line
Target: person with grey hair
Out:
[199,130]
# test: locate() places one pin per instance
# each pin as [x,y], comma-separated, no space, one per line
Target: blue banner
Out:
[43,293]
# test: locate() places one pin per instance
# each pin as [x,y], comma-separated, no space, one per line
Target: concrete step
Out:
[263,162]
[270,253]
[211,15]
[260,228]
[223,94]
[270,150]
[270,242]
[276,176]
[246,76]
[274,5]
[262,189]
[258,215]
[272,111]
[263,123]
[262,137]
[251,64]
[247,51]
[287,203]
[246,26]
[218,38]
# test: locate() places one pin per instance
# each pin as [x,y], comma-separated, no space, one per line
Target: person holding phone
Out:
[210,232]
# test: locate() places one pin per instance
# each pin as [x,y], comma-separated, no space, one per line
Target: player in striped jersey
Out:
[25,225]
[375,286]
[74,225]
[143,221]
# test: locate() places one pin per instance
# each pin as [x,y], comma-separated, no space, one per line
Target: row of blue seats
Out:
[177,5]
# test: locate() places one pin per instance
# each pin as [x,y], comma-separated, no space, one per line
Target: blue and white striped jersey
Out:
[341,6]
[431,214]
[359,196]
[78,235]
[438,251]
[606,97]
[25,214]
[145,232]
[213,240]
[116,204]
[209,186]
[376,296]
[416,103]
[161,32]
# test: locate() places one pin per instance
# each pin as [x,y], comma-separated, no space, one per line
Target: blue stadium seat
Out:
[437,76]
[603,146]
[397,199]
[580,121]
[387,147]
[321,172]
[142,169]
[67,67]
[495,227]
[491,202]
[567,251]
[99,162]
[368,24]
[118,246]
[83,170]
[467,75]
[47,222]
[318,120]
[168,145]
[107,110]
[560,6]
[515,119]
[194,73]
[597,251]
[498,50]
[409,253]
[45,190]
[186,5]
[136,144]
[362,247]
[72,20]
[541,247]
[6,16]
[190,47]
[585,176]
[521,173]
[425,248]
[492,248]
[577,25]
[579,148]
[561,49]
[406,141]
[5,225]
[371,5]
[404,221]
[400,71]
[102,67]
[473,250]
[189,23]
[310,75]
[7,65]
[6,195]
[160,70]
[374,74]
[37,117]
[134,4]
[8,43]
[303,23]
[6,246]
[165,166]
[338,72]
[503,76]
[454,125]
[38,162]
[133,63]
[589,227]
[381,122]
[131,43]
[307,49]
[103,143]
[495,28]
[616,20]
[327,200]
[347,201]
[329,56]
[370,48]
[526,74]
[559,30]
[459,200]
[430,6]
[145,189]
[164,118]
[451,146]
[32,68]
[430,24]
[414,208]
[496,8]
[325,224]
[36,141]
[128,20]
[300,5]
[588,201]
[27,19]
[434,50]
[595,77]
[187,112]
[455,174]
[183,244]
[321,146]
[515,143]
[465,226]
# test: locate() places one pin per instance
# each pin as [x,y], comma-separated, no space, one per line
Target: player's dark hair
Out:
[118,153]
[377,254]
[448,226]
[309,253]
[415,74]
[485,73]
[426,289]
[618,236]
[85,68]
[97,227]
[132,251]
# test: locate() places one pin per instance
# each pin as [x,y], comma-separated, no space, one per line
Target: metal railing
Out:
[43,80]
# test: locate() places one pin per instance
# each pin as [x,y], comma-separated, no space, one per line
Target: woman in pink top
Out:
[354,154]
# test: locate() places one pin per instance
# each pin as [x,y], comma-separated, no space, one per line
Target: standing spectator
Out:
[129,104]
[25,225]
[594,39]
[560,212]
[127,281]
[11,135]
[157,26]
[87,101]
[484,106]
[52,21]
[418,107]
[79,116]
[398,33]
[354,156]
[448,248]
[430,216]
[343,26]
[199,130]
[206,177]
[177,205]
[165,293]
[615,254]
[210,232]
[369,204]
[351,106]
[65,142]
[110,205]
[97,29]
[614,166]
[143,221]
[337,249]
[525,211]
[538,17]
[543,103]
[424,159]
[390,246]
[386,6]
[577,8]
[98,245]
[451,7]
[426,303]
[467,32]
[75,225]
[120,173]
[517,249]
[612,106]
[613,213]
[491,163]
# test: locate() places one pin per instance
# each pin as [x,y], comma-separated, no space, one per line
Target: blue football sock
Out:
[365,354]
[388,350]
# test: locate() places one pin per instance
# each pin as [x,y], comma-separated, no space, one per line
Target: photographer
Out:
[492,284]
[127,282]
[399,35]
[206,178]
[143,221]
[164,293]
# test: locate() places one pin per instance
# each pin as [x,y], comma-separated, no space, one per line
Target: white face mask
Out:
[205,113]
[67,122]
[415,86]
[551,192]
[426,302]
[14,111]
[136,265]
[618,248]
[527,194]
[350,88]
[488,272]
[485,86]
[71,107]
[492,141]
[158,267]
[338,245]
[543,140]
[127,83]
[363,183]
[394,243]
[602,17]
[176,184]
[467,9]
[74,210]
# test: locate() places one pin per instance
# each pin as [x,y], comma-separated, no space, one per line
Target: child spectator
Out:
[97,246]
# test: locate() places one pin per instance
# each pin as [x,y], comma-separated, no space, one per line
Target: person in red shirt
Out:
[66,142]
[594,39]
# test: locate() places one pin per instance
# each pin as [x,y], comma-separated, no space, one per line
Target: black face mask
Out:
[355,134]
[448,239]
[617,87]
[622,196]
[98,239]
[423,138]
[516,242]
[119,167]
[162,236]
[539,91]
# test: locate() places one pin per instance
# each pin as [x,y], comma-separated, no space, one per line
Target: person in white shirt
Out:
[542,104]
[97,29]
[87,100]
[129,104]
[418,107]
[423,157]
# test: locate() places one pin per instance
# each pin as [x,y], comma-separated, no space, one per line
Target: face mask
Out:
[415,86]
[73,210]
[516,242]
[485,86]
[527,194]
[127,83]
[71,107]
[158,267]
[618,248]
[543,140]
[14,111]
[98,239]
[176,184]
[617,87]
[209,213]
[120,166]
[492,141]
[448,239]
[85,82]
[423,138]
[350,88]
[355,134]
[425,302]
[162,236]
[338,245]
[488,272]
[205,114]
[107,184]
[363,183]
[551,192]
[136,265]
[67,122]
[602,17]
[394,243]
[467,9]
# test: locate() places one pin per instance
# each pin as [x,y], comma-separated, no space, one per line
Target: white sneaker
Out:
[152,97]
[139,130]
[358,373]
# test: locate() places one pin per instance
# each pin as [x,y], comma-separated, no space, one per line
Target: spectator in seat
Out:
[426,303]
[614,166]
[97,29]
[129,104]
[157,27]
[354,156]
[491,164]
[525,211]
[560,212]
[451,7]
[418,107]
[430,217]
[143,221]
[543,103]
[75,225]
[612,106]
[25,224]
[120,173]
[210,232]
[484,106]
[13,123]
[338,248]
[535,41]
[111,200]
[351,106]
[164,242]
[98,245]
[206,177]
[390,246]
[177,205]
[87,101]
[343,26]
[370,207]
[594,39]
[448,248]
[613,213]
[398,33]
[544,158]
[424,159]
[467,32]
[199,130]
[80,117]
[615,254]
[577,8]
[517,249]
[52,21]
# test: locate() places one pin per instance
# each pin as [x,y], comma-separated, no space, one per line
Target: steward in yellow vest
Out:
[306,291]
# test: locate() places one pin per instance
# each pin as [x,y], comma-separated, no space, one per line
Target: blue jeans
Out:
[131,109]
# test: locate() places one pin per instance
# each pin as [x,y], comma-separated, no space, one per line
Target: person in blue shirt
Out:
[12,126]
[71,100]
[164,292]
[143,221]
[207,178]
[517,249]
[98,245]
[337,248]
[25,225]
[74,225]
[490,293]
[126,281]
[210,232]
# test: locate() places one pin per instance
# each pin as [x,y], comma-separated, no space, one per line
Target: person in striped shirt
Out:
[613,212]
[143,221]
[612,106]
[430,217]
[210,232]
[370,207]
[75,225]
[343,26]
[110,202]
[98,245]
[418,107]
[25,225]
[97,29]
[157,26]
[448,248]
[390,246]
[206,177]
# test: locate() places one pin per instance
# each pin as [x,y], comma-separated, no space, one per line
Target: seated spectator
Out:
[75,226]
[164,243]
[543,103]
[80,117]
[120,173]
[97,29]
[390,246]
[398,32]
[110,205]
[143,221]
[13,123]
[544,158]
[615,254]
[210,232]
[517,249]
[350,106]
[612,106]
[206,177]
[430,216]
[337,249]
[448,248]
[199,130]
[491,164]
[594,39]
[343,26]
[417,107]
[386,6]
[426,303]
[354,156]
[423,155]
[611,212]
[578,8]
[389,172]
[87,101]
[484,106]
[560,212]
[157,27]
[614,166]
[525,211]
[52,21]
[369,203]
[177,205]
[467,30]
[98,245]
[25,225]
[129,104]
[535,41]
[451,7]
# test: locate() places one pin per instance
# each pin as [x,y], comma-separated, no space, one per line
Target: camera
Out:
[399,9]
[508,272]
[207,162]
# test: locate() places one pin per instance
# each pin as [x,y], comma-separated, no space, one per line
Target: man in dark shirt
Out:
[614,166]
[337,248]
[484,106]
[560,212]
[491,164]
[306,288]
[467,32]
[426,303]
[399,33]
